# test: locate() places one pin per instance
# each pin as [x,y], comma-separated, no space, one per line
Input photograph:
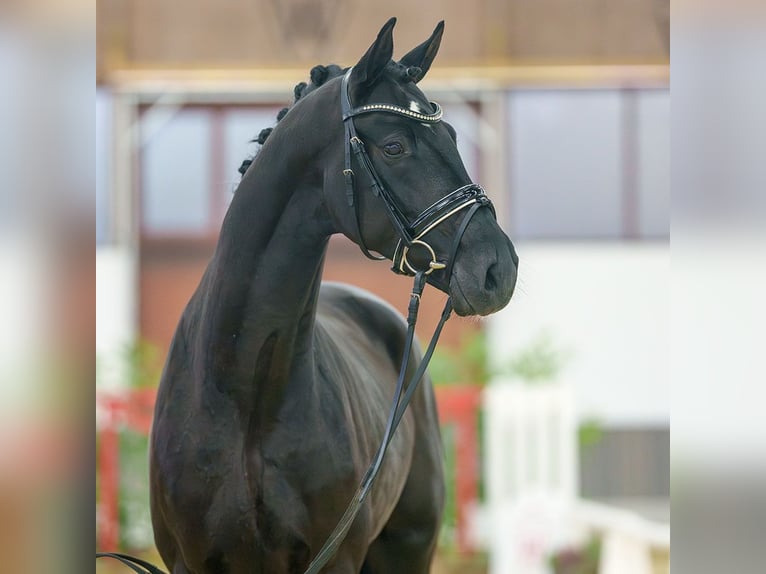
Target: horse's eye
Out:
[393,148]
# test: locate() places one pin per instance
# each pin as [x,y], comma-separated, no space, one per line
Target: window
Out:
[653,184]
[240,126]
[176,171]
[189,161]
[589,164]
[565,164]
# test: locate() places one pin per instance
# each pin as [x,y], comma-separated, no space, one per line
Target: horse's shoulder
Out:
[357,316]
[361,305]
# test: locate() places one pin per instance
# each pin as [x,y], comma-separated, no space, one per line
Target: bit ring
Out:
[432,265]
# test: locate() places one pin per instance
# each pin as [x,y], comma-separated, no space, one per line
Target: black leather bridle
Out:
[469,198]
[411,234]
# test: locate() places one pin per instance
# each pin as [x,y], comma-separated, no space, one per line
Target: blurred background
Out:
[555,411]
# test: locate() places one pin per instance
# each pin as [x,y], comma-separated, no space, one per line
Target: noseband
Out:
[411,234]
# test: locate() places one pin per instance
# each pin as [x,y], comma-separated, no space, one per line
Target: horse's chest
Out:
[309,450]
[310,464]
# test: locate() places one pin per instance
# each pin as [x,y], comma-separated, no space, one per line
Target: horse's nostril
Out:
[490,281]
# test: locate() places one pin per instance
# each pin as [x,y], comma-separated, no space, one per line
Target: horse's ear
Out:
[423,56]
[369,68]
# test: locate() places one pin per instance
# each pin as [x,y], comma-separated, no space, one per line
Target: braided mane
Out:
[318,76]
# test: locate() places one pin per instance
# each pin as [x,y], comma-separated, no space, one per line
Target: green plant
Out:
[466,365]
[590,432]
[448,532]
[135,516]
[539,362]
[135,366]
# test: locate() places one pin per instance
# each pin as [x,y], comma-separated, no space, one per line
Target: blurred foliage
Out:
[540,362]
[450,561]
[448,532]
[135,366]
[582,560]
[469,364]
[135,516]
[590,432]
[145,366]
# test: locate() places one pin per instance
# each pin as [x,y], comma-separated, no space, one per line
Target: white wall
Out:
[25,334]
[605,304]
[116,310]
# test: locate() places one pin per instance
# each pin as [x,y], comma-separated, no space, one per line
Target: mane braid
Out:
[318,77]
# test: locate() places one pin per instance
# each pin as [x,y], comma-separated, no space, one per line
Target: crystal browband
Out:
[434,117]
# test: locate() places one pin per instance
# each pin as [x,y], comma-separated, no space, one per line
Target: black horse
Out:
[276,388]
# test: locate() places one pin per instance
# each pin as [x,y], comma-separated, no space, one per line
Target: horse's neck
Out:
[261,289]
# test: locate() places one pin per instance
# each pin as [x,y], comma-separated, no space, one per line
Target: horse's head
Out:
[412,165]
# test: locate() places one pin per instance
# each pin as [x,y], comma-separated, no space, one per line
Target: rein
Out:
[395,414]
[468,198]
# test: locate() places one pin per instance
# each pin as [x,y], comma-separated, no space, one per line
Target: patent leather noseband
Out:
[411,233]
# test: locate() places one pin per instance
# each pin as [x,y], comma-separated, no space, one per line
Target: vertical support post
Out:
[109,480]
[466,482]
[459,406]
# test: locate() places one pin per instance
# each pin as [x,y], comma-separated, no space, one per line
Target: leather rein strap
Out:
[136,564]
[402,397]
